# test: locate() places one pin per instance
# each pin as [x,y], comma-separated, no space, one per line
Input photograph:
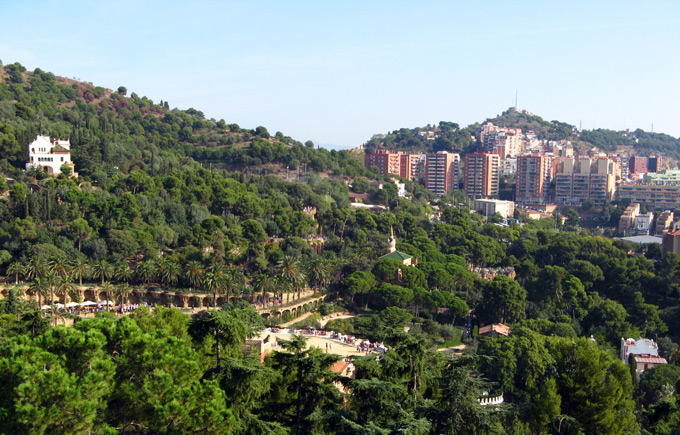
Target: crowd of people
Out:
[364,346]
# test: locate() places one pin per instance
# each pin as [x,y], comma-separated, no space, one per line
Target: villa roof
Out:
[340,366]
[396,255]
[498,328]
[650,359]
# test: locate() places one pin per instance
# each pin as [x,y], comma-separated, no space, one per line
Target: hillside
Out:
[450,137]
[112,131]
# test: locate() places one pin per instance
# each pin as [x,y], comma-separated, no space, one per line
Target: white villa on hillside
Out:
[49,155]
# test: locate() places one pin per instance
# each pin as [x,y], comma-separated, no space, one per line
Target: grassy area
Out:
[455,341]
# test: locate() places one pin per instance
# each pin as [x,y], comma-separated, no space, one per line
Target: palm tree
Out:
[123,272]
[291,270]
[65,286]
[79,269]
[123,291]
[195,272]
[36,269]
[235,281]
[263,283]
[16,268]
[101,270]
[146,271]
[58,265]
[213,281]
[319,272]
[52,280]
[39,288]
[108,289]
[168,271]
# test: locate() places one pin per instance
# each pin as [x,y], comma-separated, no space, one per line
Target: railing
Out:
[484,401]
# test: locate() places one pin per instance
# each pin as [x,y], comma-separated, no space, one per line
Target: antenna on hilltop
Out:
[515,98]
[652,128]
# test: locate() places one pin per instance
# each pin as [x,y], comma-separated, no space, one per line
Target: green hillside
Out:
[455,139]
[109,129]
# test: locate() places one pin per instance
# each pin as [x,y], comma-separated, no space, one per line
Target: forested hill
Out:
[450,137]
[109,129]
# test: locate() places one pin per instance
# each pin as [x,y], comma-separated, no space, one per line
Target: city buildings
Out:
[533,178]
[627,219]
[643,165]
[502,141]
[657,196]
[442,172]
[671,242]
[398,163]
[583,178]
[49,155]
[482,175]
[488,207]
[664,222]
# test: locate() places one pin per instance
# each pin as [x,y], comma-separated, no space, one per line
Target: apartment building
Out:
[533,177]
[664,222]
[482,175]
[627,219]
[442,172]
[488,207]
[671,242]
[657,196]
[502,141]
[397,163]
[643,165]
[581,178]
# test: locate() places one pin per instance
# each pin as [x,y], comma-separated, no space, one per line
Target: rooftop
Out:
[396,255]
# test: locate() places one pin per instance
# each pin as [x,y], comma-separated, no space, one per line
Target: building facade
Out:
[482,175]
[398,163]
[533,178]
[488,207]
[583,178]
[657,196]
[49,155]
[502,141]
[442,172]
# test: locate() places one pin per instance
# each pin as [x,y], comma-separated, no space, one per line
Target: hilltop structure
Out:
[49,155]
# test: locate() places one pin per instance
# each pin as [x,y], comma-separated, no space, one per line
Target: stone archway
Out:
[89,295]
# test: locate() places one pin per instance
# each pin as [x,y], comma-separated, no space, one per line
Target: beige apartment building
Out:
[581,178]
[533,178]
[657,196]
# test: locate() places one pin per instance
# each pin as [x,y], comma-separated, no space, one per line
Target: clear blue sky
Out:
[339,72]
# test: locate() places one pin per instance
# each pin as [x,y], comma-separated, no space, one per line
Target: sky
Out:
[338,72]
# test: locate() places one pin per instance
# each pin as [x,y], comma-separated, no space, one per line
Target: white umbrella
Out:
[58,305]
[46,307]
[87,304]
[104,303]
[72,304]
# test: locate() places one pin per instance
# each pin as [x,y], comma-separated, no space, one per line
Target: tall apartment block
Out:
[398,163]
[582,178]
[442,172]
[637,165]
[505,142]
[533,176]
[482,175]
